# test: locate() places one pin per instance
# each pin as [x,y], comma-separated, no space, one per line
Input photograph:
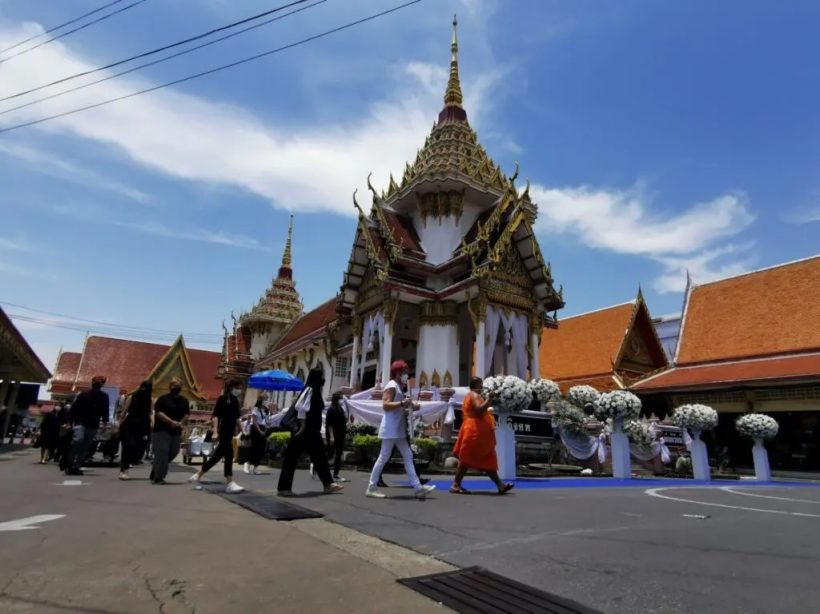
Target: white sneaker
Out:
[256,471]
[423,491]
[375,494]
[233,488]
[194,479]
[124,476]
[340,479]
[313,473]
[247,468]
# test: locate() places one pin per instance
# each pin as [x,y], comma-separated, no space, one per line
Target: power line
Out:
[214,70]
[159,61]
[62,25]
[157,50]
[77,29]
[84,322]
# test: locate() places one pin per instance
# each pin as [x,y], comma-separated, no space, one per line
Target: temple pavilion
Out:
[444,272]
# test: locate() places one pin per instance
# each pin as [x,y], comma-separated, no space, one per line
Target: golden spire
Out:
[452,97]
[286,257]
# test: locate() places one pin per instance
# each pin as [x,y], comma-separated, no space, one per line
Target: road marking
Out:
[25,524]
[656,492]
[72,483]
[748,494]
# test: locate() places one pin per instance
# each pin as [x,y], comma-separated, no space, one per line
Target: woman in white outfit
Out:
[393,432]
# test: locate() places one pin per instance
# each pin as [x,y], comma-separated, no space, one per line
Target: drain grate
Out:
[267,506]
[476,590]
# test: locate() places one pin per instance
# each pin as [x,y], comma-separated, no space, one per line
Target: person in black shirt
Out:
[170,414]
[335,433]
[308,437]
[135,426]
[226,425]
[88,409]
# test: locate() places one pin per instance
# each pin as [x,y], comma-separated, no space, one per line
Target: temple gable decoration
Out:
[176,363]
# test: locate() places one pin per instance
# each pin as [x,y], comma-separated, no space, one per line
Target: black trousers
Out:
[224,449]
[336,450]
[133,447]
[312,444]
[258,445]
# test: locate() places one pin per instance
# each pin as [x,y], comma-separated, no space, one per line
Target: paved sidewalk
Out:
[134,547]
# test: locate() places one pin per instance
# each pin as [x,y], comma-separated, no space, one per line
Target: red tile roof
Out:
[768,312]
[66,369]
[309,324]
[126,363]
[403,231]
[805,367]
[584,345]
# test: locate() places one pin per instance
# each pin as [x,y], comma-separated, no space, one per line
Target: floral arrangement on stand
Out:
[757,426]
[581,396]
[640,433]
[511,393]
[544,390]
[695,417]
[617,404]
[569,418]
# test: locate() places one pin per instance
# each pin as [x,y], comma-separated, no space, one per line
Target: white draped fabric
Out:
[491,329]
[371,412]
[374,327]
[658,448]
[583,447]
[518,325]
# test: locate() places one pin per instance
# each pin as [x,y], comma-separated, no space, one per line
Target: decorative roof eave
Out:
[639,304]
[166,362]
[11,338]
[293,346]
[408,188]
[394,250]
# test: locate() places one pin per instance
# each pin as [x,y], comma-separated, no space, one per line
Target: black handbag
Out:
[290,421]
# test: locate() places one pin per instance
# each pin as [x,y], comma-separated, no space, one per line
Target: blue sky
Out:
[659,138]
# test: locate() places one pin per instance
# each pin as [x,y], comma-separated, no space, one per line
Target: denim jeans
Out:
[81,439]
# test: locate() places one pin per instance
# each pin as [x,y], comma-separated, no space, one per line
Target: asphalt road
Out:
[732,547]
[123,547]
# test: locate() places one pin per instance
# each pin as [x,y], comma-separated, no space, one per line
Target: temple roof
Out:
[18,362]
[281,303]
[127,363]
[602,347]
[310,326]
[756,328]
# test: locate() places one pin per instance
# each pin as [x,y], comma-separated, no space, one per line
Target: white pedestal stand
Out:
[700,458]
[761,459]
[621,462]
[505,447]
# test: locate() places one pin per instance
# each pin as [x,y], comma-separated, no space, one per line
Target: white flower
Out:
[617,404]
[581,396]
[568,418]
[511,393]
[639,432]
[695,417]
[757,426]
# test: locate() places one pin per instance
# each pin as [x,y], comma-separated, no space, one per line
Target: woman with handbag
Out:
[307,437]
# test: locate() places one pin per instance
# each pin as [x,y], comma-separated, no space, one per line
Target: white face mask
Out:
[404,378]
[236,392]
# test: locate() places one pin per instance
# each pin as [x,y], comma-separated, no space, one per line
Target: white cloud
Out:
[624,222]
[18,244]
[805,216]
[195,139]
[56,167]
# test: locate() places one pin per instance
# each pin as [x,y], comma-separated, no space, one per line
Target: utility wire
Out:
[85,321]
[62,25]
[159,61]
[157,50]
[214,70]
[72,31]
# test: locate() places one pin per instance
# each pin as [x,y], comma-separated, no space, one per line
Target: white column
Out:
[480,367]
[700,458]
[387,352]
[534,363]
[354,362]
[621,460]
[761,460]
[505,447]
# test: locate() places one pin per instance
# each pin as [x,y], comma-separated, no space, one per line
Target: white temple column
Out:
[535,370]
[480,367]
[387,353]
[354,361]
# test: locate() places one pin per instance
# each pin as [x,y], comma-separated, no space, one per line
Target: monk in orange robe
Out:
[475,446]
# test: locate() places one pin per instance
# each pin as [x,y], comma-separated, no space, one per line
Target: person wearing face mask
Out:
[135,426]
[89,408]
[226,425]
[393,432]
[258,430]
[170,415]
[308,437]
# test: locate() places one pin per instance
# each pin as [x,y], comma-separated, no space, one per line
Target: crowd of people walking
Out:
[67,434]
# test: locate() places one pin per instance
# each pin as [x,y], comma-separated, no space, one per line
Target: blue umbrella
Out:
[275,380]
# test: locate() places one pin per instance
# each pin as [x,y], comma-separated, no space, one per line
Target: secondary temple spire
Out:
[286,257]
[453,97]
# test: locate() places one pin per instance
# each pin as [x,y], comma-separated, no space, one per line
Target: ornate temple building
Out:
[608,349]
[445,273]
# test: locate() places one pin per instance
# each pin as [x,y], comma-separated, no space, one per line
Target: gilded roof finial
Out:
[452,97]
[286,257]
